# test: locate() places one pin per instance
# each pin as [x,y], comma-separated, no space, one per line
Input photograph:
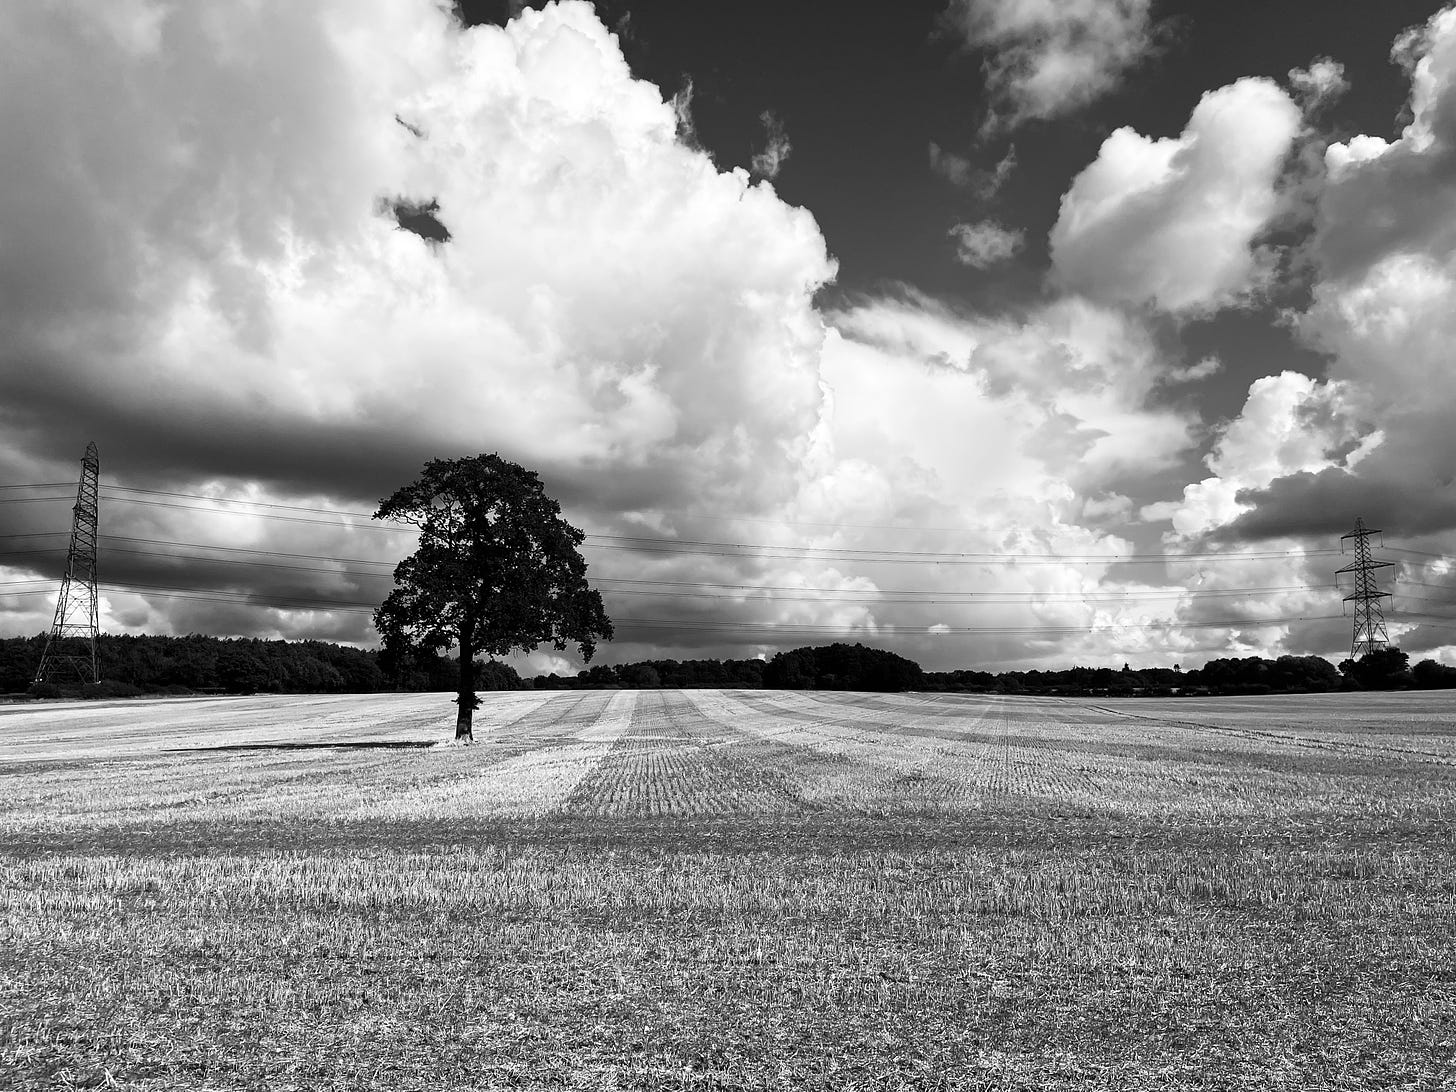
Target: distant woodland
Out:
[131,666]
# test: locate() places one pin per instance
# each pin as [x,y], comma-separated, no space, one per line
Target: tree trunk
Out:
[465,697]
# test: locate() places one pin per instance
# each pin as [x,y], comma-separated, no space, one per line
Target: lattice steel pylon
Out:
[1370,635]
[70,649]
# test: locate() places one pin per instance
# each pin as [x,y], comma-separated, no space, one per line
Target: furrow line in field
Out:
[880,766]
[845,716]
[892,708]
[1289,739]
[891,715]
[507,782]
[676,762]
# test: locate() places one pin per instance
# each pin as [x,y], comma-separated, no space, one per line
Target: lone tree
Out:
[497,569]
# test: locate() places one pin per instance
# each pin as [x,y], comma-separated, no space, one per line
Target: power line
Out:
[697,547]
[700,547]
[236,500]
[602,539]
[1420,553]
[928,597]
[646,588]
[1401,615]
[373,526]
[1233,623]
[286,602]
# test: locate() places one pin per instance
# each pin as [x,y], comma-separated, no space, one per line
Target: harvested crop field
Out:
[730,890]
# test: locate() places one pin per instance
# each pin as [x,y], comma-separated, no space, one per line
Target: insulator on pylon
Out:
[70,648]
[1369,630]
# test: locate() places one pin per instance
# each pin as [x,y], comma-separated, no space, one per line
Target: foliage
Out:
[841,667]
[1246,675]
[496,570]
[668,674]
[1431,675]
[1387,669]
[131,665]
[1254,674]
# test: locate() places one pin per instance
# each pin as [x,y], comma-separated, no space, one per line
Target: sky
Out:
[1002,334]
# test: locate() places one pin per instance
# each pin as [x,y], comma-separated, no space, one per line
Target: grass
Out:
[730,890]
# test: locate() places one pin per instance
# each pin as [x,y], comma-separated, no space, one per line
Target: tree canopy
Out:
[497,569]
[841,667]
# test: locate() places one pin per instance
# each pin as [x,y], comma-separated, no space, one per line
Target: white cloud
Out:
[197,276]
[1373,440]
[1319,85]
[1383,301]
[226,313]
[1067,386]
[1289,424]
[608,297]
[1173,221]
[1048,58]
[1387,197]
[955,169]
[1020,433]
[682,108]
[960,171]
[1207,367]
[986,243]
[770,161]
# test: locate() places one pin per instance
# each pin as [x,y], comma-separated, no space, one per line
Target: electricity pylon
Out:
[1370,635]
[70,649]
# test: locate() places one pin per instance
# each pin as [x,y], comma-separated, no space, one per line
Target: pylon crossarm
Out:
[1360,567]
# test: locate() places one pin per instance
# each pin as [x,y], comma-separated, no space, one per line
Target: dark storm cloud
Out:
[1325,504]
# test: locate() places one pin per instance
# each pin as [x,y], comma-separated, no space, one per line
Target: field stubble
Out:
[715,889]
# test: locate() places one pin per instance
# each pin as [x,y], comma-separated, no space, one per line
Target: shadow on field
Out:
[380,745]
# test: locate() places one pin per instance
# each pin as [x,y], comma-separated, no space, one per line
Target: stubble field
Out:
[729,890]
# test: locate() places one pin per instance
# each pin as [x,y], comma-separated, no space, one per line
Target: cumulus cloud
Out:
[984,244]
[1383,301]
[1373,438]
[224,291]
[984,473]
[1069,384]
[1174,221]
[1289,424]
[1387,198]
[220,293]
[199,277]
[1320,85]
[1048,58]
[222,279]
[1022,434]
[768,163]
[682,108]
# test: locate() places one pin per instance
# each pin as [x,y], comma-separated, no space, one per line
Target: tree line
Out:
[134,665]
[130,666]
